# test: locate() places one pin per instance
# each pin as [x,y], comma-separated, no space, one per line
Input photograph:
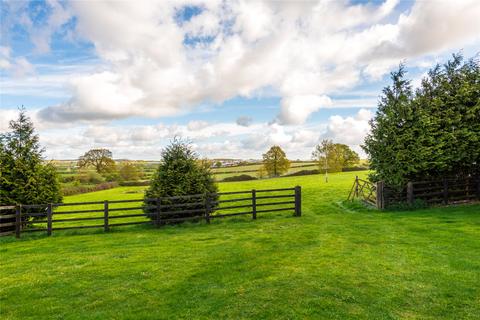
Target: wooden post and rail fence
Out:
[21,218]
[432,192]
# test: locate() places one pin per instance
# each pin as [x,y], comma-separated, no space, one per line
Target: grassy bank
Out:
[337,261]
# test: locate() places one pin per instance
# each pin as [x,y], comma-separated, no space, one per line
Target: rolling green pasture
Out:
[337,261]
[68,169]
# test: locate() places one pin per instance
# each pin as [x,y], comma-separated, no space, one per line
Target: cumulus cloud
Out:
[296,109]
[197,125]
[304,51]
[18,67]
[349,130]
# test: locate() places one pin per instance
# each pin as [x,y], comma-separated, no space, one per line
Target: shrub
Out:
[129,171]
[135,183]
[302,173]
[242,177]
[180,173]
[72,190]
[89,177]
[67,179]
[357,168]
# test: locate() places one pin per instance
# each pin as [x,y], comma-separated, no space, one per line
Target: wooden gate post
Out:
[254,204]
[298,201]
[106,227]
[18,220]
[356,186]
[379,196]
[410,192]
[49,219]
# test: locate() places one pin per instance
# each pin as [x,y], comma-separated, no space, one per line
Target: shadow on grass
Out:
[169,228]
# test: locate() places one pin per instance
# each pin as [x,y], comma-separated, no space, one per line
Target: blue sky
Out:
[234,77]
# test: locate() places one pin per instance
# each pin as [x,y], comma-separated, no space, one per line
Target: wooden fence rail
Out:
[432,192]
[106,214]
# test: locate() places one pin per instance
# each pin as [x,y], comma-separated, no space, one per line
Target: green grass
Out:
[337,261]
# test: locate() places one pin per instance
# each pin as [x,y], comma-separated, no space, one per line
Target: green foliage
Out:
[430,133]
[333,157]
[303,173]
[241,177]
[89,177]
[275,162]
[24,177]
[79,189]
[261,173]
[180,173]
[100,159]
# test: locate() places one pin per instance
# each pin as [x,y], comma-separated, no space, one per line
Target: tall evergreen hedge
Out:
[430,132]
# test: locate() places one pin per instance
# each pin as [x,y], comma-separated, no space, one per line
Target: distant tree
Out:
[349,157]
[333,157]
[218,164]
[100,159]
[430,133]
[261,173]
[129,171]
[275,162]
[180,173]
[24,177]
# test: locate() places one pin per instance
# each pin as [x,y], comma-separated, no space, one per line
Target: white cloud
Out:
[18,67]
[197,125]
[349,130]
[296,109]
[300,50]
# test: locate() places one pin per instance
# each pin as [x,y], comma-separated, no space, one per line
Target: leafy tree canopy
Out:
[275,162]
[333,157]
[129,171]
[100,159]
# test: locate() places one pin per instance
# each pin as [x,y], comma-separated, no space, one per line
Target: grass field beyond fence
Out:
[338,261]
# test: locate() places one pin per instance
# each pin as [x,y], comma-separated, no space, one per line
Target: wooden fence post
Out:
[445,191]
[254,204]
[410,192]
[379,196]
[49,219]
[356,186]
[159,210]
[207,208]
[106,227]
[18,220]
[298,201]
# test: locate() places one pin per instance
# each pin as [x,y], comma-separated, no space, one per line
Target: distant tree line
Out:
[330,157]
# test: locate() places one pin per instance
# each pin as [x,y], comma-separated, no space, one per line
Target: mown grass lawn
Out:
[337,261]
